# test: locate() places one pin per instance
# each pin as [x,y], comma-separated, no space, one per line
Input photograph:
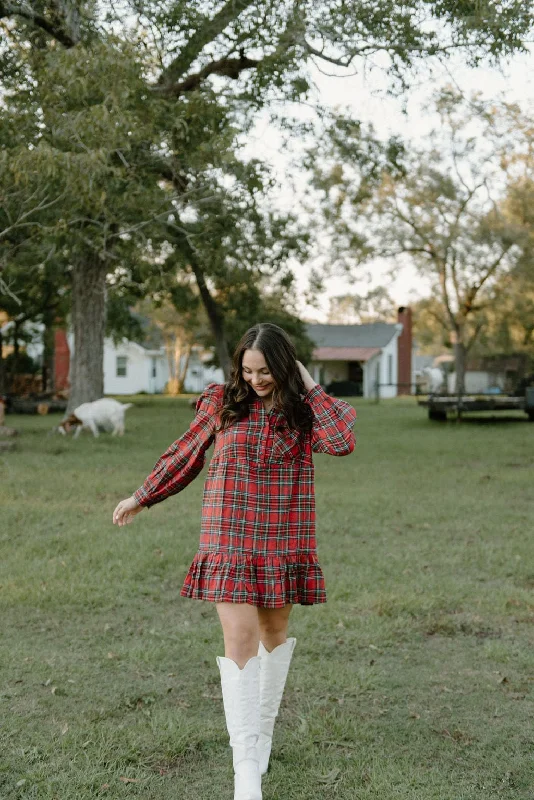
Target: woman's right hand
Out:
[126,511]
[307,379]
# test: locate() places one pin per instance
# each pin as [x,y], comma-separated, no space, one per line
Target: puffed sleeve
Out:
[184,459]
[332,425]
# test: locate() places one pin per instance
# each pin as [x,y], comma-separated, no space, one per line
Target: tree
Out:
[509,321]
[121,117]
[249,300]
[431,329]
[43,300]
[92,153]
[180,321]
[353,309]
[235,249]
[442,206]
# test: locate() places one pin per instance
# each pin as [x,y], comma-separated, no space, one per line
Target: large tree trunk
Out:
[177,353]
[88,323]
[48,353]
[16,347]
[216,320]
[2,368]
[460,351]
[182,369]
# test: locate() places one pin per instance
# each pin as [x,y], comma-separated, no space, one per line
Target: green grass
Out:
[415,681]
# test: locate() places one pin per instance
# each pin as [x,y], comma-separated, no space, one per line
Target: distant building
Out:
[351,359]
[358,357]
[498,373]
[134,367]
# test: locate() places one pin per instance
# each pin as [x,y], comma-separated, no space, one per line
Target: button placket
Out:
[267,432]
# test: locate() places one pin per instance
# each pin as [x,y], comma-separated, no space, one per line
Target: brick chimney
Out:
[61,360]
[404,351]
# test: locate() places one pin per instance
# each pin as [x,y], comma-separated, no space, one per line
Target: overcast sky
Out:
[366,96]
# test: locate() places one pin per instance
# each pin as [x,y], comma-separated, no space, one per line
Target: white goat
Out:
[105,413]
[435,378]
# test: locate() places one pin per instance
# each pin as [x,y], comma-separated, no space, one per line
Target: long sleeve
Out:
[184,459]
[333,423]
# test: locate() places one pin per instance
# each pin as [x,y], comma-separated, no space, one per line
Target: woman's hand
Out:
[307,379]
[126,511]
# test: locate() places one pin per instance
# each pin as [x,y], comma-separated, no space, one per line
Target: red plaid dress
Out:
[257,542]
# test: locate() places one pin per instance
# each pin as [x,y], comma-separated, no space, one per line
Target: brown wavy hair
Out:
[280,356]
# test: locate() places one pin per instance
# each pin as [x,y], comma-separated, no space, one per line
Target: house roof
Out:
[344,353]
[376,334]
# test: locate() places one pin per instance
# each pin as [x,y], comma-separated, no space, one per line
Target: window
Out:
[122,364]
[154,367]
[390,369]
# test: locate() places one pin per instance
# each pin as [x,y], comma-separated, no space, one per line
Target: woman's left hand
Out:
[126,511]
[307,379]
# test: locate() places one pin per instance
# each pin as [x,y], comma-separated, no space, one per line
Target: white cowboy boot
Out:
[273,674]
[241,698]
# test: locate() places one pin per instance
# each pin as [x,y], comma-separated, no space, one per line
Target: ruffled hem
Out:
[268,582]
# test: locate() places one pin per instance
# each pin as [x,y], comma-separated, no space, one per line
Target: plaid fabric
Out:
[257,542]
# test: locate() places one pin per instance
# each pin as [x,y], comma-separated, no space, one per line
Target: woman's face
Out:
[256,372]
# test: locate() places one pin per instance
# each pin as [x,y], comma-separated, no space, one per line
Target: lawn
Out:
[415,681]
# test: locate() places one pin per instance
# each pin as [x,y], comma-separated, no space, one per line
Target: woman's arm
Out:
[184,459]
[307,379]
[333,419]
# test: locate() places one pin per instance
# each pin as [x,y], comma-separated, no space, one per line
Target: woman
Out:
[257,554]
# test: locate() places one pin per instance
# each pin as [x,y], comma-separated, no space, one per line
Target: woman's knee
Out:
[240,625]
[243,627]
[273,623]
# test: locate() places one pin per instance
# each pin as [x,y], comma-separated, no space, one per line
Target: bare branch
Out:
[415,228]
[339,62]
[442,274]
[19,222]
[478,327]
[454,275]
[346,60]
[4,289]
[491,270]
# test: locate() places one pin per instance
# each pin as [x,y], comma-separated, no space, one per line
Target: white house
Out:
[364,356]
[130,368]
[360,356]
[133,367]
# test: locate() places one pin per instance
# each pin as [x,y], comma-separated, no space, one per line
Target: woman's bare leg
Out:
[241,631]
[273,624]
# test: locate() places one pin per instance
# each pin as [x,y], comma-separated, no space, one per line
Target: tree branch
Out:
[19,222]
[474,336]
[454,229]
[206,34]
[4,289]
[454,274]
[414,227]
[442,274]
[229,67]
[474,290]
[343,61]
[25,11]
